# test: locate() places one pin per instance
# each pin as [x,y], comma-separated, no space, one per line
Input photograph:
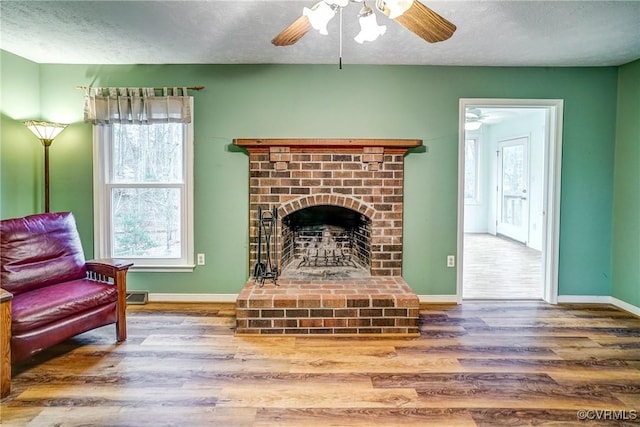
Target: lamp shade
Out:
[45,131]
[320,15]
[369,28]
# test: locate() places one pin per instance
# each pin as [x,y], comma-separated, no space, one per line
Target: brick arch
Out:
[326,199]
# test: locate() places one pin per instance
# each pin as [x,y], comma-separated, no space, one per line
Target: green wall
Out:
[626,207]
[321,101]
[21,153]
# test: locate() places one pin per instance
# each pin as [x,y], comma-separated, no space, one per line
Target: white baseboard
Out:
[598,299]
[193,297]
[584,299]
[434,299]
[625,306]
[441,299]
[438,299]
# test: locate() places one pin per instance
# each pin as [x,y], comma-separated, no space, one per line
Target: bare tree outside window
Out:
[147,180]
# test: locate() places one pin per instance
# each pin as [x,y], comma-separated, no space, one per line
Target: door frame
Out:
[552,186]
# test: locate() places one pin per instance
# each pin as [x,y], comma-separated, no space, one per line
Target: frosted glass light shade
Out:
[472,125]
[395,8]
[340,3]
[369,28]
[319,16]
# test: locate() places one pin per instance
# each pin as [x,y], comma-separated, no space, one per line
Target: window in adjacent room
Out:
[472,171]
[143,190]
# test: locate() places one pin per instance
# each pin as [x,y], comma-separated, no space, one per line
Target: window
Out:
[471,171]
[143,187]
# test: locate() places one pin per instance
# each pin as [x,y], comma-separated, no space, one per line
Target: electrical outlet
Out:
[451,261]
[200,260]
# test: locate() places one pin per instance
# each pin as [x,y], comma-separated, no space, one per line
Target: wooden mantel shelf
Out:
[325,143]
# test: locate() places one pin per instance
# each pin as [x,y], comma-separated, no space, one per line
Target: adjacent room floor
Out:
[499,268]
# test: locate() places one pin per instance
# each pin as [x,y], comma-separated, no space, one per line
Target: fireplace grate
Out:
[323,248]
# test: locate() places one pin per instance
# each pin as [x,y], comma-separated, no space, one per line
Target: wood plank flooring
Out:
[476,364]
[498,268]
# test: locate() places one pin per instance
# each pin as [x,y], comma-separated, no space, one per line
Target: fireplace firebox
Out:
[326,242]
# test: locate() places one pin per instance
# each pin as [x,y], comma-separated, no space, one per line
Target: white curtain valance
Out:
[136,105]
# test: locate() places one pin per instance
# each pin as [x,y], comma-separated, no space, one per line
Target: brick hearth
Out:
[363,176]
[374,305]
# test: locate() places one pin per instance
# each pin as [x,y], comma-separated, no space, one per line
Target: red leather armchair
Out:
[56,294]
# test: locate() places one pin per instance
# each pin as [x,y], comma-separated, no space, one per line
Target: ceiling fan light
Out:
[369,28]
[393,8]
[474,125]
[339,3]
[320,15]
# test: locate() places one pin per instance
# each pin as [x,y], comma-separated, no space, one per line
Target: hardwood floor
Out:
[476,364]
[499,268]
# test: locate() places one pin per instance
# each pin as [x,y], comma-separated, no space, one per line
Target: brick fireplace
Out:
[338,206]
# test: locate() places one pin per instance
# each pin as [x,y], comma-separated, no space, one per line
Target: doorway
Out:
[508,215]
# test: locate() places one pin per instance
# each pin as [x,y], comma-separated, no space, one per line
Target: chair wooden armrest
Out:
[114,271]
[5,342]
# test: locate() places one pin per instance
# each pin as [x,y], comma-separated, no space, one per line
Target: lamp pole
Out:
[46,143]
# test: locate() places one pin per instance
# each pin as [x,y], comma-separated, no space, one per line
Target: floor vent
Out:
[137,297]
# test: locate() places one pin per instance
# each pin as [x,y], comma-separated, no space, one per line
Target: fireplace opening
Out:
[329,242]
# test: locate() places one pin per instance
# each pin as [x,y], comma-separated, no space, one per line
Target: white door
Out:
[513,189]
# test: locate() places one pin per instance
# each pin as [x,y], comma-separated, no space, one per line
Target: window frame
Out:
[102,186]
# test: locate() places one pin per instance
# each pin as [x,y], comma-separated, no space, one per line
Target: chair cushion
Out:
[40,250]
[42,306]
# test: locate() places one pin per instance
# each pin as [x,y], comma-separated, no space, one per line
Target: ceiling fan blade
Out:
[293,32]
[425,23]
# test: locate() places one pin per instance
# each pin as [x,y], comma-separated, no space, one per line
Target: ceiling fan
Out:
[411,14]
[476,117]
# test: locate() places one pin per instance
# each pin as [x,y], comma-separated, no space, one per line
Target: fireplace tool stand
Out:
[265,267]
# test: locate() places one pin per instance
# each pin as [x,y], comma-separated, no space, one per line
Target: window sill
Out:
[163,268]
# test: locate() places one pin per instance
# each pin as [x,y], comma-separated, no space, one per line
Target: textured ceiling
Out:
[490,33]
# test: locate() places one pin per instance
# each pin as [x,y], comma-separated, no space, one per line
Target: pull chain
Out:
[340,63]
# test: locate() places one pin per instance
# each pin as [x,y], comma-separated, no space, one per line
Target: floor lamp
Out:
[46,132]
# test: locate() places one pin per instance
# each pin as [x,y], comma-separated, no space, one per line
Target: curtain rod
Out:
[155,88]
